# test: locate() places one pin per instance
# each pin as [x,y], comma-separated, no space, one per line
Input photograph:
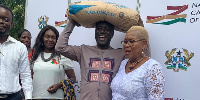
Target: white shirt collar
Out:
[11,39]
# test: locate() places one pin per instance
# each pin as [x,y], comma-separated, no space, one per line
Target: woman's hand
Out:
[52,89]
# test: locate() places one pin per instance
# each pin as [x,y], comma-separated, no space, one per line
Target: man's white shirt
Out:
[14,61]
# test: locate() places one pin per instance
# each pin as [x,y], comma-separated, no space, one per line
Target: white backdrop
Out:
[182,84]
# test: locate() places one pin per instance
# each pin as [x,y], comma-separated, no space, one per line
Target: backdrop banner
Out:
[173,27]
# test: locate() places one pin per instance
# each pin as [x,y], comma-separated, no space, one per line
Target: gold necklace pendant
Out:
[134,63]
[131,66]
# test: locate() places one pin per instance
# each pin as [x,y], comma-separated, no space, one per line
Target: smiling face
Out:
[5,21]
[135,44]
[103,34]
[49,40]
[26,38]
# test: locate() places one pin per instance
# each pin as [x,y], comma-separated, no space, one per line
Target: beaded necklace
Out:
[48,59]
[134,63]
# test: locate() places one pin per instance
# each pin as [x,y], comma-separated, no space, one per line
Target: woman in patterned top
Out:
[139,77]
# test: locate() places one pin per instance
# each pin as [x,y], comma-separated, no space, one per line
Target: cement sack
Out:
[87,13]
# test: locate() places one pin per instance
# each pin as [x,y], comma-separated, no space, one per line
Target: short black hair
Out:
[5,7]
[111,25]
[20,32]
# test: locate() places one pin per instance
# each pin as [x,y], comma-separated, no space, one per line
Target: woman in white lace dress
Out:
[139,77]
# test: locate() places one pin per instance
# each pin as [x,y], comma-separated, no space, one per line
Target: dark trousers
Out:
[15,96]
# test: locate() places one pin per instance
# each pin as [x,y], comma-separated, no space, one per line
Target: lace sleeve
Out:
[155,82]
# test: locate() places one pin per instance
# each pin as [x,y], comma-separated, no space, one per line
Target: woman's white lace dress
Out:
[144,83]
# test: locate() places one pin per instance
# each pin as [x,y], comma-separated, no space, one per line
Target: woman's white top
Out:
[47,74]
[144,83]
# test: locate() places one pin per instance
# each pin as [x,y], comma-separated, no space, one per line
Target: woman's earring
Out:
[143,54]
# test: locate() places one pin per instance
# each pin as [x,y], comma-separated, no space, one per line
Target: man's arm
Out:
[25,73]
[62,47]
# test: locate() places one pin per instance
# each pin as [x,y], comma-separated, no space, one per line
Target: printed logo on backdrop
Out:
[173,99]
[178,59]
[175,17]
[168,98]
[61,23]
[171,18]
[195,13]
[42,21]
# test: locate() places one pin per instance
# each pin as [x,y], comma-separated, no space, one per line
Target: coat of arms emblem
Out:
[42,21]
[177,61]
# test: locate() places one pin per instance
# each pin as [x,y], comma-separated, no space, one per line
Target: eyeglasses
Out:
[130,42]
[4,19]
